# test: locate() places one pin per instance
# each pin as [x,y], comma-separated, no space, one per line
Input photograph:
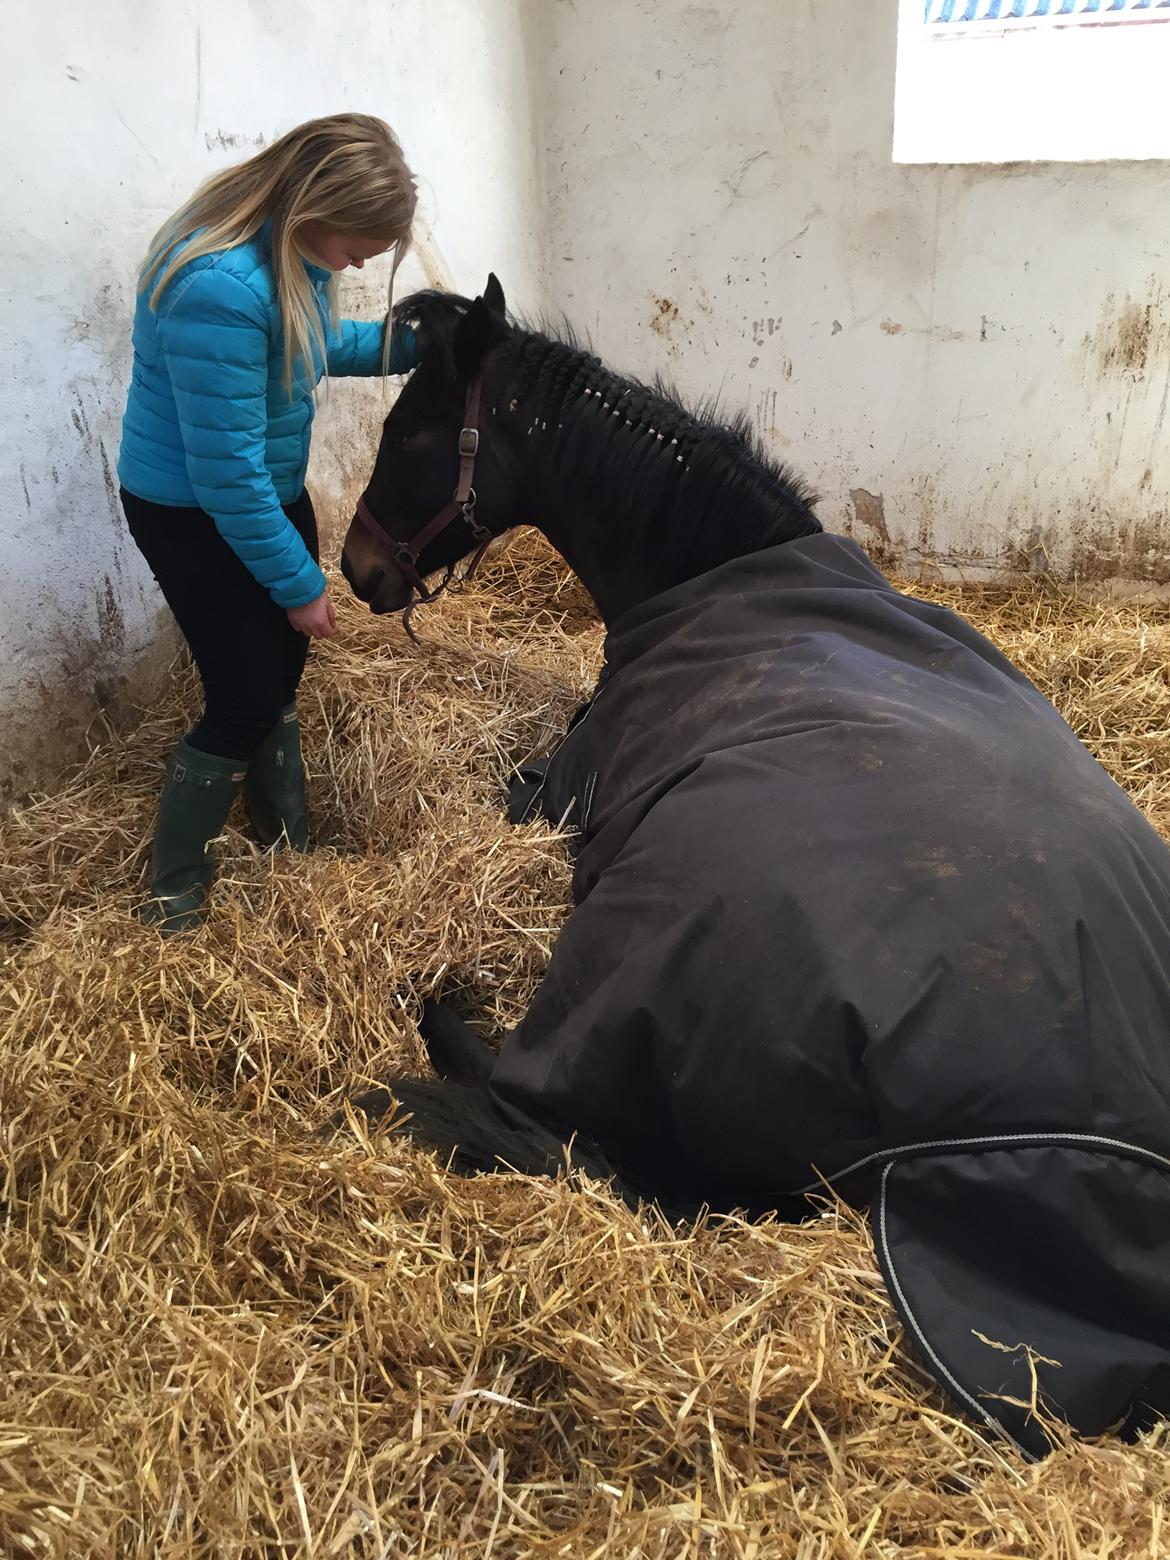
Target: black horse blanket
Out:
[856,908]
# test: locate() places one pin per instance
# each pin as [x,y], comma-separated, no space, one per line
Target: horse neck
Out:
[608,554]
[633,519]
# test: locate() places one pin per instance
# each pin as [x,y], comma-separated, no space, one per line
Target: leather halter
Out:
[405,555]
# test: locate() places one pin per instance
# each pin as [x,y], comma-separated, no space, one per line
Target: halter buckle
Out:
[468,443]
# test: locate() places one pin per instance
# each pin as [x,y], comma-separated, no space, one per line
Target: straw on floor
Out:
[220,1336]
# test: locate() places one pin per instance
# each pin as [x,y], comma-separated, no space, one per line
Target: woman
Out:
[235,324]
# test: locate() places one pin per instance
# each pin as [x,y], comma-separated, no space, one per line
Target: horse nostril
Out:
[366,588]
[381,600]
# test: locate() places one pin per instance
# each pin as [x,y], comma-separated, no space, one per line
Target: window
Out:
[1032,80]
[950,18]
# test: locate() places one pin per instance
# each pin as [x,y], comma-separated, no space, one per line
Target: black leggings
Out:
[249,655]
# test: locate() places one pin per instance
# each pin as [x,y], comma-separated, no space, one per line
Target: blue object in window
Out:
[1011,15]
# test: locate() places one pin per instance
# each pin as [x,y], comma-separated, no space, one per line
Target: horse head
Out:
[441,449]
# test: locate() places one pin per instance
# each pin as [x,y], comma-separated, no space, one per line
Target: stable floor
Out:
[220,1336]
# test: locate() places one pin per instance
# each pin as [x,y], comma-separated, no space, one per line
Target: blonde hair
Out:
[345,171]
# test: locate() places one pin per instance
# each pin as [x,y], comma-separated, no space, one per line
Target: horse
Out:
[854,909]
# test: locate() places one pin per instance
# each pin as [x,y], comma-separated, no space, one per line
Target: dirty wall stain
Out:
[869,510]
[1133,337]
[663,317]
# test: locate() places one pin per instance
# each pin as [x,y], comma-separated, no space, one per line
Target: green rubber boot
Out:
[197,796]
[274,792]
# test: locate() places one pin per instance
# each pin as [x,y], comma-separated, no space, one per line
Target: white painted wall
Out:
[973,364]
[111,114]
[980,355]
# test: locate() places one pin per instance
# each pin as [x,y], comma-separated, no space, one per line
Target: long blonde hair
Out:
[345,171]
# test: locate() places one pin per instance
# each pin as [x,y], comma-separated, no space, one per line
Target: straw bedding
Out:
[221,1336]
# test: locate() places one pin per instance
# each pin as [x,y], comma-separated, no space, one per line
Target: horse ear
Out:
[476,332]
[472,339]
[493,297]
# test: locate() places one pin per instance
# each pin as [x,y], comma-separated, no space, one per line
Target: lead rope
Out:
[416,601]
[449,579]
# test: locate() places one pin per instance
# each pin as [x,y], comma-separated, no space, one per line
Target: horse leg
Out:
[470,1130]
[455,1050]
[457,1115]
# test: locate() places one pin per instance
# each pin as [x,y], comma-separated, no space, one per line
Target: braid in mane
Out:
[638,449]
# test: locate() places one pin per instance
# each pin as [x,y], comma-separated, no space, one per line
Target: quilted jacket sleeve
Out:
[214,337]
[355,349]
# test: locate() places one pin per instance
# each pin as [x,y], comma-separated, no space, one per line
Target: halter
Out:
[461,507]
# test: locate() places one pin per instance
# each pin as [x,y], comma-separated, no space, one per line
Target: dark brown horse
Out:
[853,905]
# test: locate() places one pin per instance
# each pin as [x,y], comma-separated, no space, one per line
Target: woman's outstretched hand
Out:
[315,618]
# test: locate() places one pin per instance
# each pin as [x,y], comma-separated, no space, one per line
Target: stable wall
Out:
[971,364]
[111,114]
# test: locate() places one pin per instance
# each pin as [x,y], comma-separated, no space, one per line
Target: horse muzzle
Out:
[380,583]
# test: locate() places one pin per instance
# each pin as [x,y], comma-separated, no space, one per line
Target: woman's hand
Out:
[315,618]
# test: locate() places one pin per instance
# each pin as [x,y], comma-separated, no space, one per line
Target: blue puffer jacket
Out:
[209,424]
